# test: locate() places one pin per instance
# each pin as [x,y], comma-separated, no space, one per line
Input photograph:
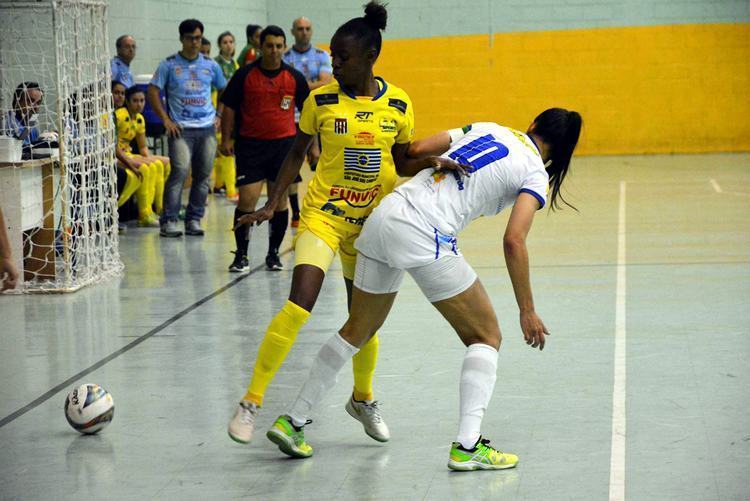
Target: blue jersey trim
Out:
[383,89]
[534,143]
[535,194]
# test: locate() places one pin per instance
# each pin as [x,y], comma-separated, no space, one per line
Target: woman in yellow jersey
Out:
[224,169]
[154,169]
[365,126]
[129,177]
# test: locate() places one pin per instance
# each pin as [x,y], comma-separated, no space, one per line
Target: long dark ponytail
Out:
[560,129]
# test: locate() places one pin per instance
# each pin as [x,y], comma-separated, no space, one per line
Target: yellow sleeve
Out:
[308,118]
[406,125]
[140,124]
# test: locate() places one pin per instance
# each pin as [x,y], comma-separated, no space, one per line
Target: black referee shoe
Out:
[240,264]
[273,263]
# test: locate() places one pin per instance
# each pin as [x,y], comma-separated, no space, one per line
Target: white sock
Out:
[325,369]
[478,375]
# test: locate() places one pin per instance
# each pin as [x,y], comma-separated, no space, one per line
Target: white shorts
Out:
[396,239]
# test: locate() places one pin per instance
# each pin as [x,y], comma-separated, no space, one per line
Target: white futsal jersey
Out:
[506,163]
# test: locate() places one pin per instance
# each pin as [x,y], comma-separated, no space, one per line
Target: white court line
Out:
[617,459]
[718,189]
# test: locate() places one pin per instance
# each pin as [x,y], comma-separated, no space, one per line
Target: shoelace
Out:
[309,421]
[486,443]
[248,415]
[373,411]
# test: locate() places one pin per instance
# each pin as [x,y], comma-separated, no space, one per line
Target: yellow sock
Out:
[144,195]
[273,349]
[363,365]
[131,186]
[159,186]
[229,174]
[218,175]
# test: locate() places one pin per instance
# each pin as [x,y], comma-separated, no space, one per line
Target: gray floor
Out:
[688,354]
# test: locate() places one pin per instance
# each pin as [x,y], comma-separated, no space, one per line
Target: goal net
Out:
[60,197]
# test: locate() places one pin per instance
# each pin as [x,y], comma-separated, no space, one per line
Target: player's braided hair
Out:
[367,29]
[560,129]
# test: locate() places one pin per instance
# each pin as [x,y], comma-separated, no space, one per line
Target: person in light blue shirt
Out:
[315,64]
[121,62]
[191,121]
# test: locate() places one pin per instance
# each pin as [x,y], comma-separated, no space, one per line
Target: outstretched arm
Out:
[437,144]
[407,166]
[517,262]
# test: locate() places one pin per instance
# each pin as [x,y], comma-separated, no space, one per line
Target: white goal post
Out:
[60,200]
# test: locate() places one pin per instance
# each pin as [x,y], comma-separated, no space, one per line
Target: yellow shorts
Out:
[318,240]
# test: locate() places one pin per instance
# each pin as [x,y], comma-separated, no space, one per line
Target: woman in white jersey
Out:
[414,229]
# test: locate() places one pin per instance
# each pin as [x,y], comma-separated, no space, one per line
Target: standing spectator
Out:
[21,122]
[121,62]
[191,122]
[8,270]
[251,51]
[262,96]
[315,64]
[224,169]
[206,47]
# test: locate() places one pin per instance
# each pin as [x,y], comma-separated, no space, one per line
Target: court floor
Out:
[641,394]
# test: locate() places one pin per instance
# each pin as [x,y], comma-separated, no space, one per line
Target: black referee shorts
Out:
[260,159]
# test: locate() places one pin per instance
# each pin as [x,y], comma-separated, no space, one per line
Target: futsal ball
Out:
[89,408]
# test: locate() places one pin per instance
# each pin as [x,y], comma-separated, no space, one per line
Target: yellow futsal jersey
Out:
[356,168]
[128,128]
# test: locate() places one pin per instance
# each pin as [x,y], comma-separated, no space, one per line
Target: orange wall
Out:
[656,89]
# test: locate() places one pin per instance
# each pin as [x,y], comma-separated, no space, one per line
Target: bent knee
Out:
[491,337]
[356,335]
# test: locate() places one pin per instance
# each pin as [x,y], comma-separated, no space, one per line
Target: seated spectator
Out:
[132,126]
[128,176]
[21,121]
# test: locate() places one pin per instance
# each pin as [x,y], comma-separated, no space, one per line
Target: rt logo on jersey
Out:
[364,116]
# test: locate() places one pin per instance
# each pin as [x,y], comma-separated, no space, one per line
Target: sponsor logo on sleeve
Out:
[323,99]
[398,104]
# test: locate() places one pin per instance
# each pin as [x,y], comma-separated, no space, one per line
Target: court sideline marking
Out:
[54,391]
[717,189]
[617,458]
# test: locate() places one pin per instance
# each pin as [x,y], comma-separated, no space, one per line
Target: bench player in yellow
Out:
[154,169]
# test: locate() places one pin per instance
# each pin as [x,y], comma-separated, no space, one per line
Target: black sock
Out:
[241,233]
[314,166]
[277,229]
[294,202]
